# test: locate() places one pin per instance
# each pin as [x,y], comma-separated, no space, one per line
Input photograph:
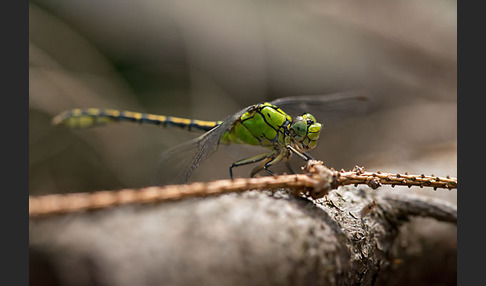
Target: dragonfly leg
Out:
[273,161]
[250,160]
[303,155]
[309,157]
[258,168]
[289,167]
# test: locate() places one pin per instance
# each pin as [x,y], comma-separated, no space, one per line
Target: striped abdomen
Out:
[90,117]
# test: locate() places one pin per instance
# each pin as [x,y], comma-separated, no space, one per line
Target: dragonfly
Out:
[284,127]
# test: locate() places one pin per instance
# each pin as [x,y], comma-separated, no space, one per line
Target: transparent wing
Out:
[177,164]
[328,109]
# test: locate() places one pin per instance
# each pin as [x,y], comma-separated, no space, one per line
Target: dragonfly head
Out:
[305,131]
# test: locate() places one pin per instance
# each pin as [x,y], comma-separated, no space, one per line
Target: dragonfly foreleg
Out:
[303,155]
[250,160]
[309,157]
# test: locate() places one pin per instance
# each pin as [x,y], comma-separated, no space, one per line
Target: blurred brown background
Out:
[208,59]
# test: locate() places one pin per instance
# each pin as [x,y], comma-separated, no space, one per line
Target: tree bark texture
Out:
[355,236]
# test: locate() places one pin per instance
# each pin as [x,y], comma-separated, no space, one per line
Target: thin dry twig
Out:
[64,203]
[316,183]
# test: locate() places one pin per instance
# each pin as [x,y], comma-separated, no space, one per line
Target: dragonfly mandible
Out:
[267,124]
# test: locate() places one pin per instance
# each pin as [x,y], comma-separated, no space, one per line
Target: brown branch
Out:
[64,203]
[316,183]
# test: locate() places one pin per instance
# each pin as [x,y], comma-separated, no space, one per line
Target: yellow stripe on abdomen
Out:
[90,117]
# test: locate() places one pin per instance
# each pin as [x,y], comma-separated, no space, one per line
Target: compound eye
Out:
[314,130]
[300,128]
[309,117]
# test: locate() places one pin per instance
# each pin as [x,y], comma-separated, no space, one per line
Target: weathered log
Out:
[355,236]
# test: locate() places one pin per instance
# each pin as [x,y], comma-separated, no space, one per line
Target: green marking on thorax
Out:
[259,126]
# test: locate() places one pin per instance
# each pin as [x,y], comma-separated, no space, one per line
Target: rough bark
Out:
[254,238]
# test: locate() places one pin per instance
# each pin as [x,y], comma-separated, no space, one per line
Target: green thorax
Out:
[263,124]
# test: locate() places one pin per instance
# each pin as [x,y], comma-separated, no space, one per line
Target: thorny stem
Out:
[316,183]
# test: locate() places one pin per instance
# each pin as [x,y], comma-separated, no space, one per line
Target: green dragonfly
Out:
[264,124]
